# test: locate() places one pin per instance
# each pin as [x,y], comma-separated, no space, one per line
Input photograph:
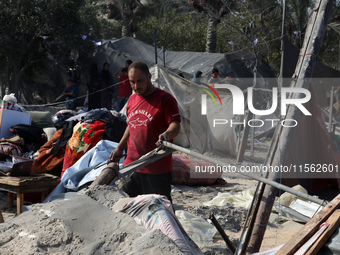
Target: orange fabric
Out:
[47,162]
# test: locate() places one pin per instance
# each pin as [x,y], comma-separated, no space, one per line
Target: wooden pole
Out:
[334,222]
[302,236]
[304,69]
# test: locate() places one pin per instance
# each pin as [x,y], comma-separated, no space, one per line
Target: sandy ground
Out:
[32,229]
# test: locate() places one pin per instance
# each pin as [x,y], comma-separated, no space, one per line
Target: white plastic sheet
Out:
[199,230]
[241,199]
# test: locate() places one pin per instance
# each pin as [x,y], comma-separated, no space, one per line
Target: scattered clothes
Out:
[30,134]
[60,117]
[85,170]
[46,160]
[84,137]
[66,134]
[11,149]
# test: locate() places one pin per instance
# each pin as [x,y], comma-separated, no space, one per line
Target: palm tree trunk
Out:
[211,35]
[127,26]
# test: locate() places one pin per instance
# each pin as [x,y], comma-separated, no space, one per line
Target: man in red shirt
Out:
[152,116]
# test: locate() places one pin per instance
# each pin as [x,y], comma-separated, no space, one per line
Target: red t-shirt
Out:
[147,118]
[124,86]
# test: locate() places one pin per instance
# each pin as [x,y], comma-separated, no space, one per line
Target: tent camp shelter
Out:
[196,128]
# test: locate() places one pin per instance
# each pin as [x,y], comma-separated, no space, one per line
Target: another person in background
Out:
[106,86]
[93,86]
[197,77]
[214,79]
[69,93]
[228,80]
[12,103]
[127,64]
[152,116]
[74,76]
[124,89]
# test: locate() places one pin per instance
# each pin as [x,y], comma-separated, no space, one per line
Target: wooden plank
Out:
[334,222]
[304,248]
[306,232]
[244,140]
[27,181]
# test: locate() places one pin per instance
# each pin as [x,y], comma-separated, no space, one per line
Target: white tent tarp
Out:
[197,130]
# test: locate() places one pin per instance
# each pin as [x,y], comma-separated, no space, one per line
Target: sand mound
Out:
[80,225]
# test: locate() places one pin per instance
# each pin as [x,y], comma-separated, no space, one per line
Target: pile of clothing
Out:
[75,135]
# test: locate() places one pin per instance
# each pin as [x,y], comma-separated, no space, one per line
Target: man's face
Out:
[214,75]
[140,82]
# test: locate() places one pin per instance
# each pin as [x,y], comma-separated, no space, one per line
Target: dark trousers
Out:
[141,184]
[120,103]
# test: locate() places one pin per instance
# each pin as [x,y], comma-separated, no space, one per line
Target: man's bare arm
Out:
[118,151]
[171,132]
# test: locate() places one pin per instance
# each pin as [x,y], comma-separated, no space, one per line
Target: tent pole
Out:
[330,127]
[283,39]
[163,50]
[155,42]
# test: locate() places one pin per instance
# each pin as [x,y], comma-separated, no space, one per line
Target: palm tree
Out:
[215,10]
[297,19]
[123,10]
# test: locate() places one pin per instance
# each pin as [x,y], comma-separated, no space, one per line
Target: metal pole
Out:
[283,39]
[250,175]
[339,54]
[163,49]
[331,111]
[253,128]
[155,42]
[223,234]
[252,141]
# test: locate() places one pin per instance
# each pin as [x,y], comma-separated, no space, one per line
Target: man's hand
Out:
[116,155]
[170,133]
[163,137]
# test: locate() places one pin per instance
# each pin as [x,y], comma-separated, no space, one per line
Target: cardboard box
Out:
[10,118]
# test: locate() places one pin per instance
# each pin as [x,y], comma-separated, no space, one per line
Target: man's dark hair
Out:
[141,66]
[129,61]
[124,70]
[215,70]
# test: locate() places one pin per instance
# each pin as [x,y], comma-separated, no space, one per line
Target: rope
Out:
[63,102]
